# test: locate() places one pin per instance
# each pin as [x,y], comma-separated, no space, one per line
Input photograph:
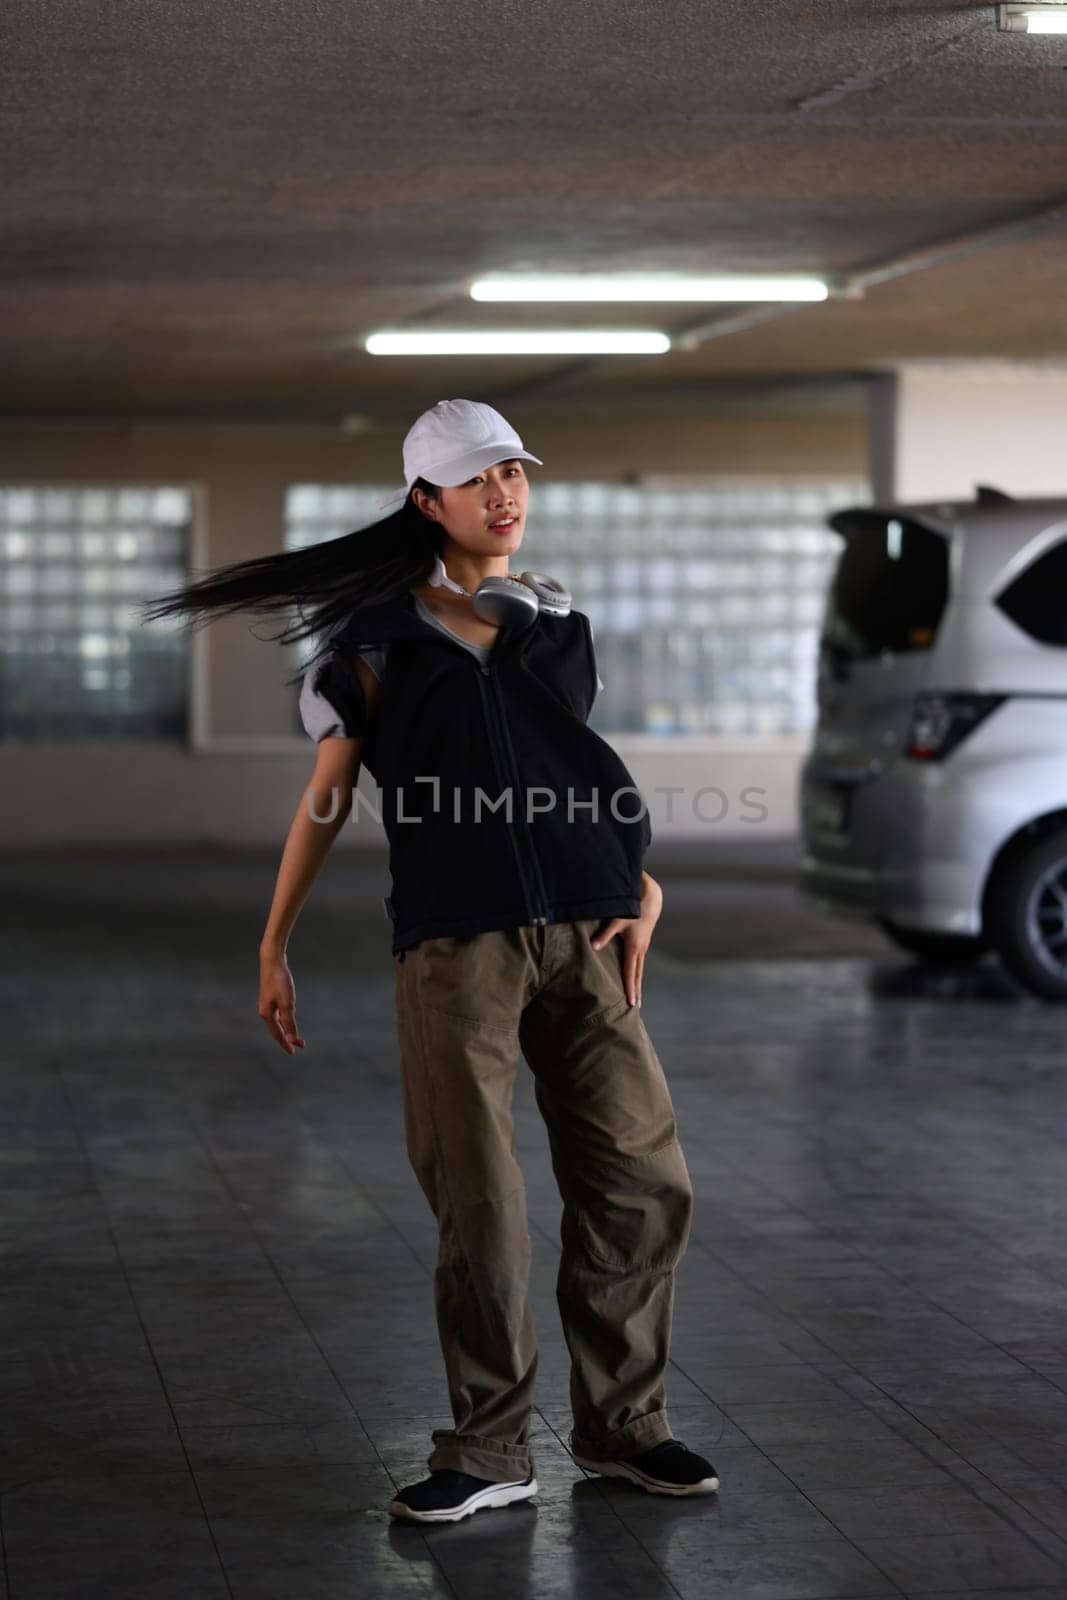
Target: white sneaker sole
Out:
[622,1469]
[494,1494]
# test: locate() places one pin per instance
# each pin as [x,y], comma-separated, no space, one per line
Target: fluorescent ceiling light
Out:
[645,286]
[1032,19]
[550,342]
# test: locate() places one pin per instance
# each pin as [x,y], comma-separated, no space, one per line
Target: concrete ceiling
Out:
[208,206]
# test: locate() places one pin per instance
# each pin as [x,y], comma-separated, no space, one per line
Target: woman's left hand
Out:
[636,936]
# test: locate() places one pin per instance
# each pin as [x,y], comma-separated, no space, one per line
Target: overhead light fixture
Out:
[645,286]
[1032,19]
[517,342]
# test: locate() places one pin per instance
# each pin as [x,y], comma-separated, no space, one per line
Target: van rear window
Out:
[890,586]
[1036,600]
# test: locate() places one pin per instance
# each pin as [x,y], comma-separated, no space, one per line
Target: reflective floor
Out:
[218,1349]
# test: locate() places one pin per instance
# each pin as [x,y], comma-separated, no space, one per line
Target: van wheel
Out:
[937,949]
[1027,916]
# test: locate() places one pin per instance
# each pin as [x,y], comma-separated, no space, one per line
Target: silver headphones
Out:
[509,602]
[516,602]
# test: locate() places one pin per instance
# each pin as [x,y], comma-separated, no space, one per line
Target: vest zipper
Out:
[536,907]
[536,903]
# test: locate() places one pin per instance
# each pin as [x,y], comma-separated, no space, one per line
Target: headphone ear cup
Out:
[552,596]
[505,601]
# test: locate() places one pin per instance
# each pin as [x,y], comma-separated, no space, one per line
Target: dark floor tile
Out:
[919,1509]
[782,1515]
[416,1395]
[729,1386]
[380,1580]
[871,1300]
[847,1463]
[313,1538]
[598,1563]
[230,1402]
[284,1493]
[1055,1591]
[63,1440]
[1044,1453]
[111,1575]
[824,1569]
[917,1368]
[1040,1496]
[971,1561]
[692,1348]
[815,1422]
[139,1513]
[278,1445]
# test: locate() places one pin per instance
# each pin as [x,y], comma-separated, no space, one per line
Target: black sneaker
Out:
[448,1496]
[668,1468]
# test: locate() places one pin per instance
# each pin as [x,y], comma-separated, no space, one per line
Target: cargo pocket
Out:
[472,980]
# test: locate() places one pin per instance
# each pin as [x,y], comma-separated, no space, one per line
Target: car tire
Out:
[937,949]
[1026,915]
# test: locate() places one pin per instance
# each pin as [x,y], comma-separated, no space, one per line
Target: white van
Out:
[934,799]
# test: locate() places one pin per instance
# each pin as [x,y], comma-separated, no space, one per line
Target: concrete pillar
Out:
[939,427]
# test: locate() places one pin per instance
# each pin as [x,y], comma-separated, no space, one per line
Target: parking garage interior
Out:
[220,1362]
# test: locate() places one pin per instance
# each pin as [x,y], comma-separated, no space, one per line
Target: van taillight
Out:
[939,722]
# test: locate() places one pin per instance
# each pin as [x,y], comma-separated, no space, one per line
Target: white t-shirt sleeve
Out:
[332,702]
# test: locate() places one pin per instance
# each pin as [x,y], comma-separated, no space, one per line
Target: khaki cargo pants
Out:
[467,1010]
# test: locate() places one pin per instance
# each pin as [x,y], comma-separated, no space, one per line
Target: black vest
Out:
[452,740]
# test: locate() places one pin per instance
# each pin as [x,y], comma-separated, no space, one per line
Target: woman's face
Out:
[487,514]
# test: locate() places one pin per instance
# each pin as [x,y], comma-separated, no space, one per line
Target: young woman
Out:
[521,918]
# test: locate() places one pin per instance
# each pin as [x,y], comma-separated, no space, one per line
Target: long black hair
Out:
[325,582]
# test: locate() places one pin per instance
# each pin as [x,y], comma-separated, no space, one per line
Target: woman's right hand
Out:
[277,1001]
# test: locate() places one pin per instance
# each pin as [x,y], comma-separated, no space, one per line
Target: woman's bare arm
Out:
[328,795]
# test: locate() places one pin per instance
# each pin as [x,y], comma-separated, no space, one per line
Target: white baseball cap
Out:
[455,439]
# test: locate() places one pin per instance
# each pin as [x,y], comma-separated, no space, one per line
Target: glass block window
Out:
[706,598]
[76,659]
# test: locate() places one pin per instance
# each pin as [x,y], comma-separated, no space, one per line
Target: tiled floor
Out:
[218,1347]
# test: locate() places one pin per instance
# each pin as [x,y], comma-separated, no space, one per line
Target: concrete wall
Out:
[243,774]
[938,428]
